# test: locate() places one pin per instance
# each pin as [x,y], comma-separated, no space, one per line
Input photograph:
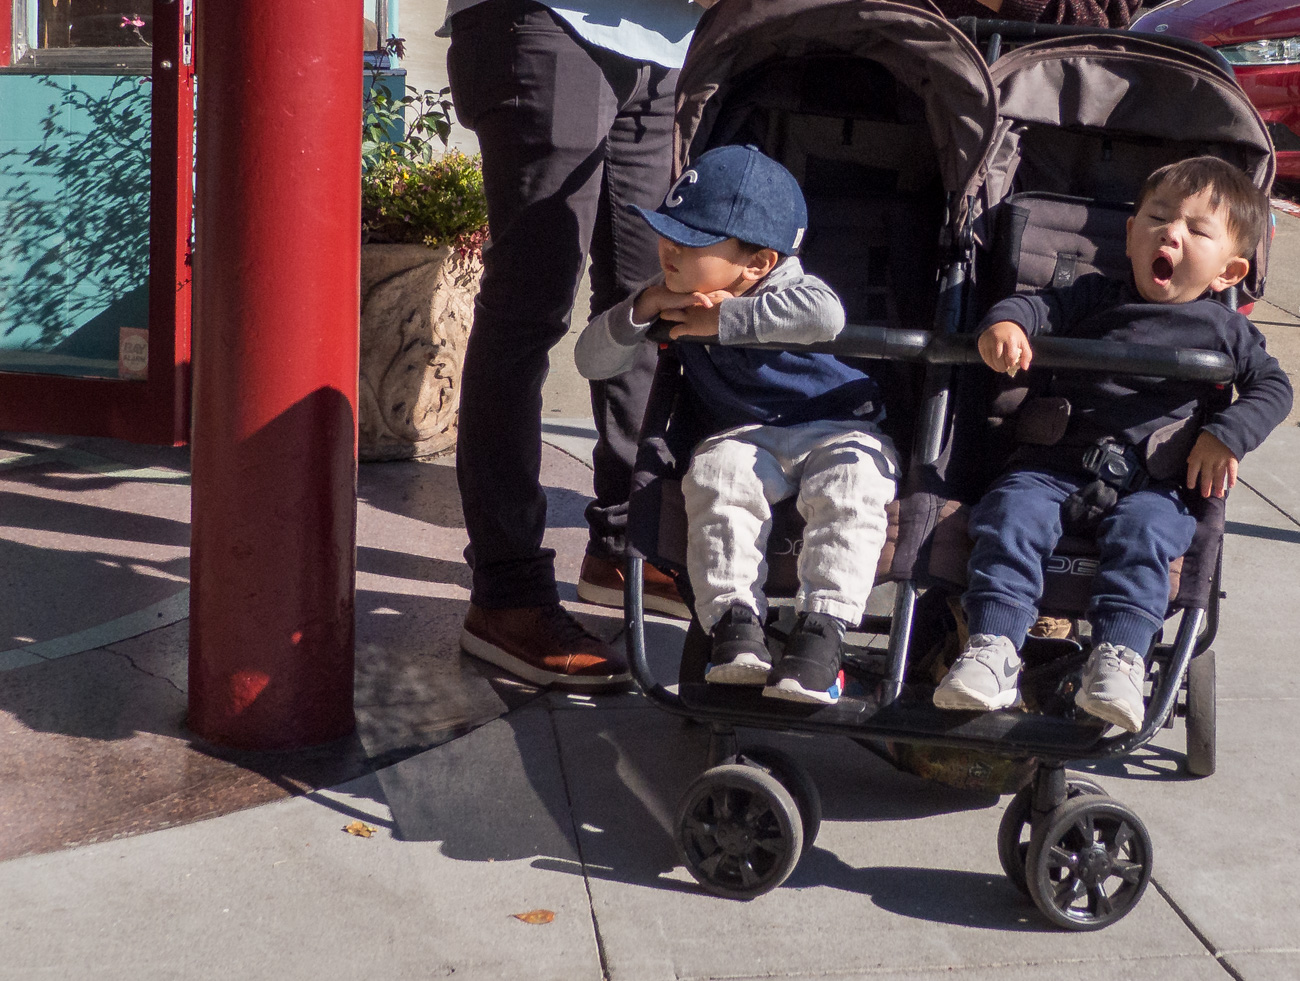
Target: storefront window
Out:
[74,33]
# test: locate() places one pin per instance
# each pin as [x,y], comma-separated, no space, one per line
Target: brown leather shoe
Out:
[544,645]
[601,582]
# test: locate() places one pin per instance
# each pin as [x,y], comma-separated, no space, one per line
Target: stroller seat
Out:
[1044,239]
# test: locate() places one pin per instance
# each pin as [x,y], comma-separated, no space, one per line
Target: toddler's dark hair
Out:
[1247,205]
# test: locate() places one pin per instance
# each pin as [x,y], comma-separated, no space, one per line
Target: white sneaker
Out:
[985,677]
[1112,686]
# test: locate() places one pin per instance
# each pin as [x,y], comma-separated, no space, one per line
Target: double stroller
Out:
[939,176]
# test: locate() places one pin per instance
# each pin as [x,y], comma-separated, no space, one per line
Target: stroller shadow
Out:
[971,899]
[1150,762]
[627,768]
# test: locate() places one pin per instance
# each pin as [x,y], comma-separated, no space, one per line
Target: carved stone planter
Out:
[417,305]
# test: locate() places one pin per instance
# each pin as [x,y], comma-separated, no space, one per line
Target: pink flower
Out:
[135,20]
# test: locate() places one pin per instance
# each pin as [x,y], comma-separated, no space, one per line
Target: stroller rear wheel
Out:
[1013,832]
[1201,749]
[1089,862]
[739,831]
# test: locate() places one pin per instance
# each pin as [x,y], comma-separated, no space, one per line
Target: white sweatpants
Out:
[844,474]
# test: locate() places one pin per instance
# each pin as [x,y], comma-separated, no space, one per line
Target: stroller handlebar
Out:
[1117,357]
[854,341]
[903,344]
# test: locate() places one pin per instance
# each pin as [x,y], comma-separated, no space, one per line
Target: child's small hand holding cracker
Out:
[1211,466]
[1005,347]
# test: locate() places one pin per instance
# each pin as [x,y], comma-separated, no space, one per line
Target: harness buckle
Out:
[1116,465]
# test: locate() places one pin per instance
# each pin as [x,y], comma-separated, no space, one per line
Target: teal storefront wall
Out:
[74,219]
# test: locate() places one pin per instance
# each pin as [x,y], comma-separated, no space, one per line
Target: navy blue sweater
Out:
[738,386]
[1133,407]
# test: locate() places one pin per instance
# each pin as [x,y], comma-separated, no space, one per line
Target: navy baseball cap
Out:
[732,192]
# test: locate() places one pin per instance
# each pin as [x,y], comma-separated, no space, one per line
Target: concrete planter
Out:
[417,305]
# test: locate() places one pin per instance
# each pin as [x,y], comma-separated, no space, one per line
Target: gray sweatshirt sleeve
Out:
[803,312]
[608,344]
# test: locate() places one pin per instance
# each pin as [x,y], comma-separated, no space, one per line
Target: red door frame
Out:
[156,410]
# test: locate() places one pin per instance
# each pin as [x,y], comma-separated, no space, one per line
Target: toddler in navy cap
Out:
[784,423]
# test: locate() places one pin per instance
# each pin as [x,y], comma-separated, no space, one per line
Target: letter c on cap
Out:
[673,199]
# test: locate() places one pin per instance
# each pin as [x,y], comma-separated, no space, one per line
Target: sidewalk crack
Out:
[1270,502]
[577,841]
[1205,941]
[131,661]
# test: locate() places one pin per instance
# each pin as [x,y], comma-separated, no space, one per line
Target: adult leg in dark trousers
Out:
[569,133]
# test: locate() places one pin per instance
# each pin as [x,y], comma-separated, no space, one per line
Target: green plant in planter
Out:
[435,202]
[414,190]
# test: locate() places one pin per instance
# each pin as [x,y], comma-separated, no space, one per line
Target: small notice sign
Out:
[133,353]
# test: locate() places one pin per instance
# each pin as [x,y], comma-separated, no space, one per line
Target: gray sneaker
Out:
[985,677]
[1112,686]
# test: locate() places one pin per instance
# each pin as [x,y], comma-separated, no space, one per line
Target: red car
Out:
[1261,39]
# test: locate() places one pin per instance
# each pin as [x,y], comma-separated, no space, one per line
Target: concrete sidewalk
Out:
[566,804]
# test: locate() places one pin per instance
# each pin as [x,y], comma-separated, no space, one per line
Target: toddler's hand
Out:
[1005,347]
[1212,466]
[699,320]
[654,300]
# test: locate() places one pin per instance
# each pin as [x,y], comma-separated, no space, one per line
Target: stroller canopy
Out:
[1093,115]
[913,41]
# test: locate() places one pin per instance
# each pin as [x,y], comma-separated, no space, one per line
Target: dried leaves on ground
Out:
[535,916]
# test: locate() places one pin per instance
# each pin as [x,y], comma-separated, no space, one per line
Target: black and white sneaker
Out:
[740,655]
[810,670]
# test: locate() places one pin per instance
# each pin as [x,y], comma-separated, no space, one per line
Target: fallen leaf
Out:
[535,916]
[360,829]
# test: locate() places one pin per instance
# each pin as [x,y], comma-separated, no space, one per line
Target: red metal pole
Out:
[276,294]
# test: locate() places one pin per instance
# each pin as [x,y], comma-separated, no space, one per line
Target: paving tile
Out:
[1265,965]
[282,891]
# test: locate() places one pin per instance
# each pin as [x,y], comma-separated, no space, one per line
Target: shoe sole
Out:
[487,651]
[605,596]
[1117,712]
[789,690]
[746,669]
[957,697]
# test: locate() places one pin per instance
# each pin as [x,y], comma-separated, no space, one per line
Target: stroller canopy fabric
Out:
[1093,115]
[912,40]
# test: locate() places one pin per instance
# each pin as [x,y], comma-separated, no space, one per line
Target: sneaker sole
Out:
[957,697]
[605,596]
[486,651]
[790,690]
[746,669]
[1116,713]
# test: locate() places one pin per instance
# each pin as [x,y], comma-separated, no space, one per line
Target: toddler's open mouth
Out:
[1162,270]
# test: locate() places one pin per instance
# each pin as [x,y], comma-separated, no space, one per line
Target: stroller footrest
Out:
[1005,733]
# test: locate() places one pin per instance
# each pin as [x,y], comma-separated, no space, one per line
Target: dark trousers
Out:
[1017,524]
[570,134]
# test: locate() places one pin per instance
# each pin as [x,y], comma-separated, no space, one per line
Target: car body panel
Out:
[1273,89]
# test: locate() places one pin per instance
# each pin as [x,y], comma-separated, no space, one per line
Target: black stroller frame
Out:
[1084,858]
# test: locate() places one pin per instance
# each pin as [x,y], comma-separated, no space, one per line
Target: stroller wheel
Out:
[1089,863]
[1201,715]
[1013,832]
[739,831]
[796,780]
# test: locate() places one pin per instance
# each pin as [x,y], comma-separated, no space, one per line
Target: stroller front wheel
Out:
[1089,862]
[796,780]
[739,831]
[1013,831]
